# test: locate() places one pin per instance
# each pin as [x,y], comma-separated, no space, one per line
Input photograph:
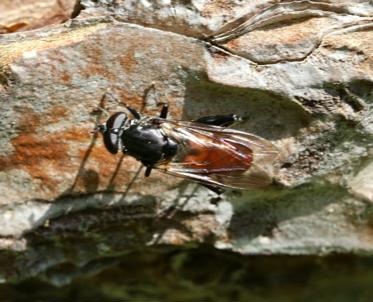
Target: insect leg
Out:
[214,189]
[164,111]
[134,112]
[148,171]
[219,120]
[99,111]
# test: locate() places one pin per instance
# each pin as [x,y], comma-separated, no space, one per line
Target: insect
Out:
[203,150]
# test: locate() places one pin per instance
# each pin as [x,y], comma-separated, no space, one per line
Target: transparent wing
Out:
[219,156]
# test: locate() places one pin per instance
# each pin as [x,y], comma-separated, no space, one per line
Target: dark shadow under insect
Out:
[203,150]
[90,178]
[87,154]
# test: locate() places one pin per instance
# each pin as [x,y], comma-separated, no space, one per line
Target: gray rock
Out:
[301,72]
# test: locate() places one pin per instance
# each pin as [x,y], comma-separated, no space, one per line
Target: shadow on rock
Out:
[261,213]
[266,114]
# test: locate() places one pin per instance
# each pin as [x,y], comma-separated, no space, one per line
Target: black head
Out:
[112,131]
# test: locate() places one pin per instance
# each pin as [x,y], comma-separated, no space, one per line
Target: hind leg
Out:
[219,120]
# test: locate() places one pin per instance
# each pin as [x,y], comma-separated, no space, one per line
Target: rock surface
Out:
[191,274]
[17,15]
[302,71]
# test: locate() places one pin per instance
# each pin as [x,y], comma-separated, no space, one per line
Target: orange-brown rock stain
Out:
[106,163]
[96,61]
[66,78]
[216,7]
[128,60]
[302,31]
[37,151]
[139,102]
[12,51]
[135,101]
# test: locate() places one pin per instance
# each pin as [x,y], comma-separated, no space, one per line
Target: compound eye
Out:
[111,138]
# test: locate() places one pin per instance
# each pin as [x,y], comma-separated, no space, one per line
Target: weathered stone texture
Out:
[301,71]
[16,15]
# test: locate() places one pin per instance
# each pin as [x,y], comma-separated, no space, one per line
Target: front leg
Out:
[133,111]
[148,167]
[164,111]
[219,120]
[148,171]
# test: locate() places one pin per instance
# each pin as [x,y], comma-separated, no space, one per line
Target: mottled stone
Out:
[19,15]
[300,72]
[362,184]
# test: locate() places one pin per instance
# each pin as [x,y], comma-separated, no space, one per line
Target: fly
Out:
[204,150]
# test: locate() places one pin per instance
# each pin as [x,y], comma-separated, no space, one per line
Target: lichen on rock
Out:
[301,71]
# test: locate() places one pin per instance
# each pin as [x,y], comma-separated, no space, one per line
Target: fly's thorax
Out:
[146,142]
